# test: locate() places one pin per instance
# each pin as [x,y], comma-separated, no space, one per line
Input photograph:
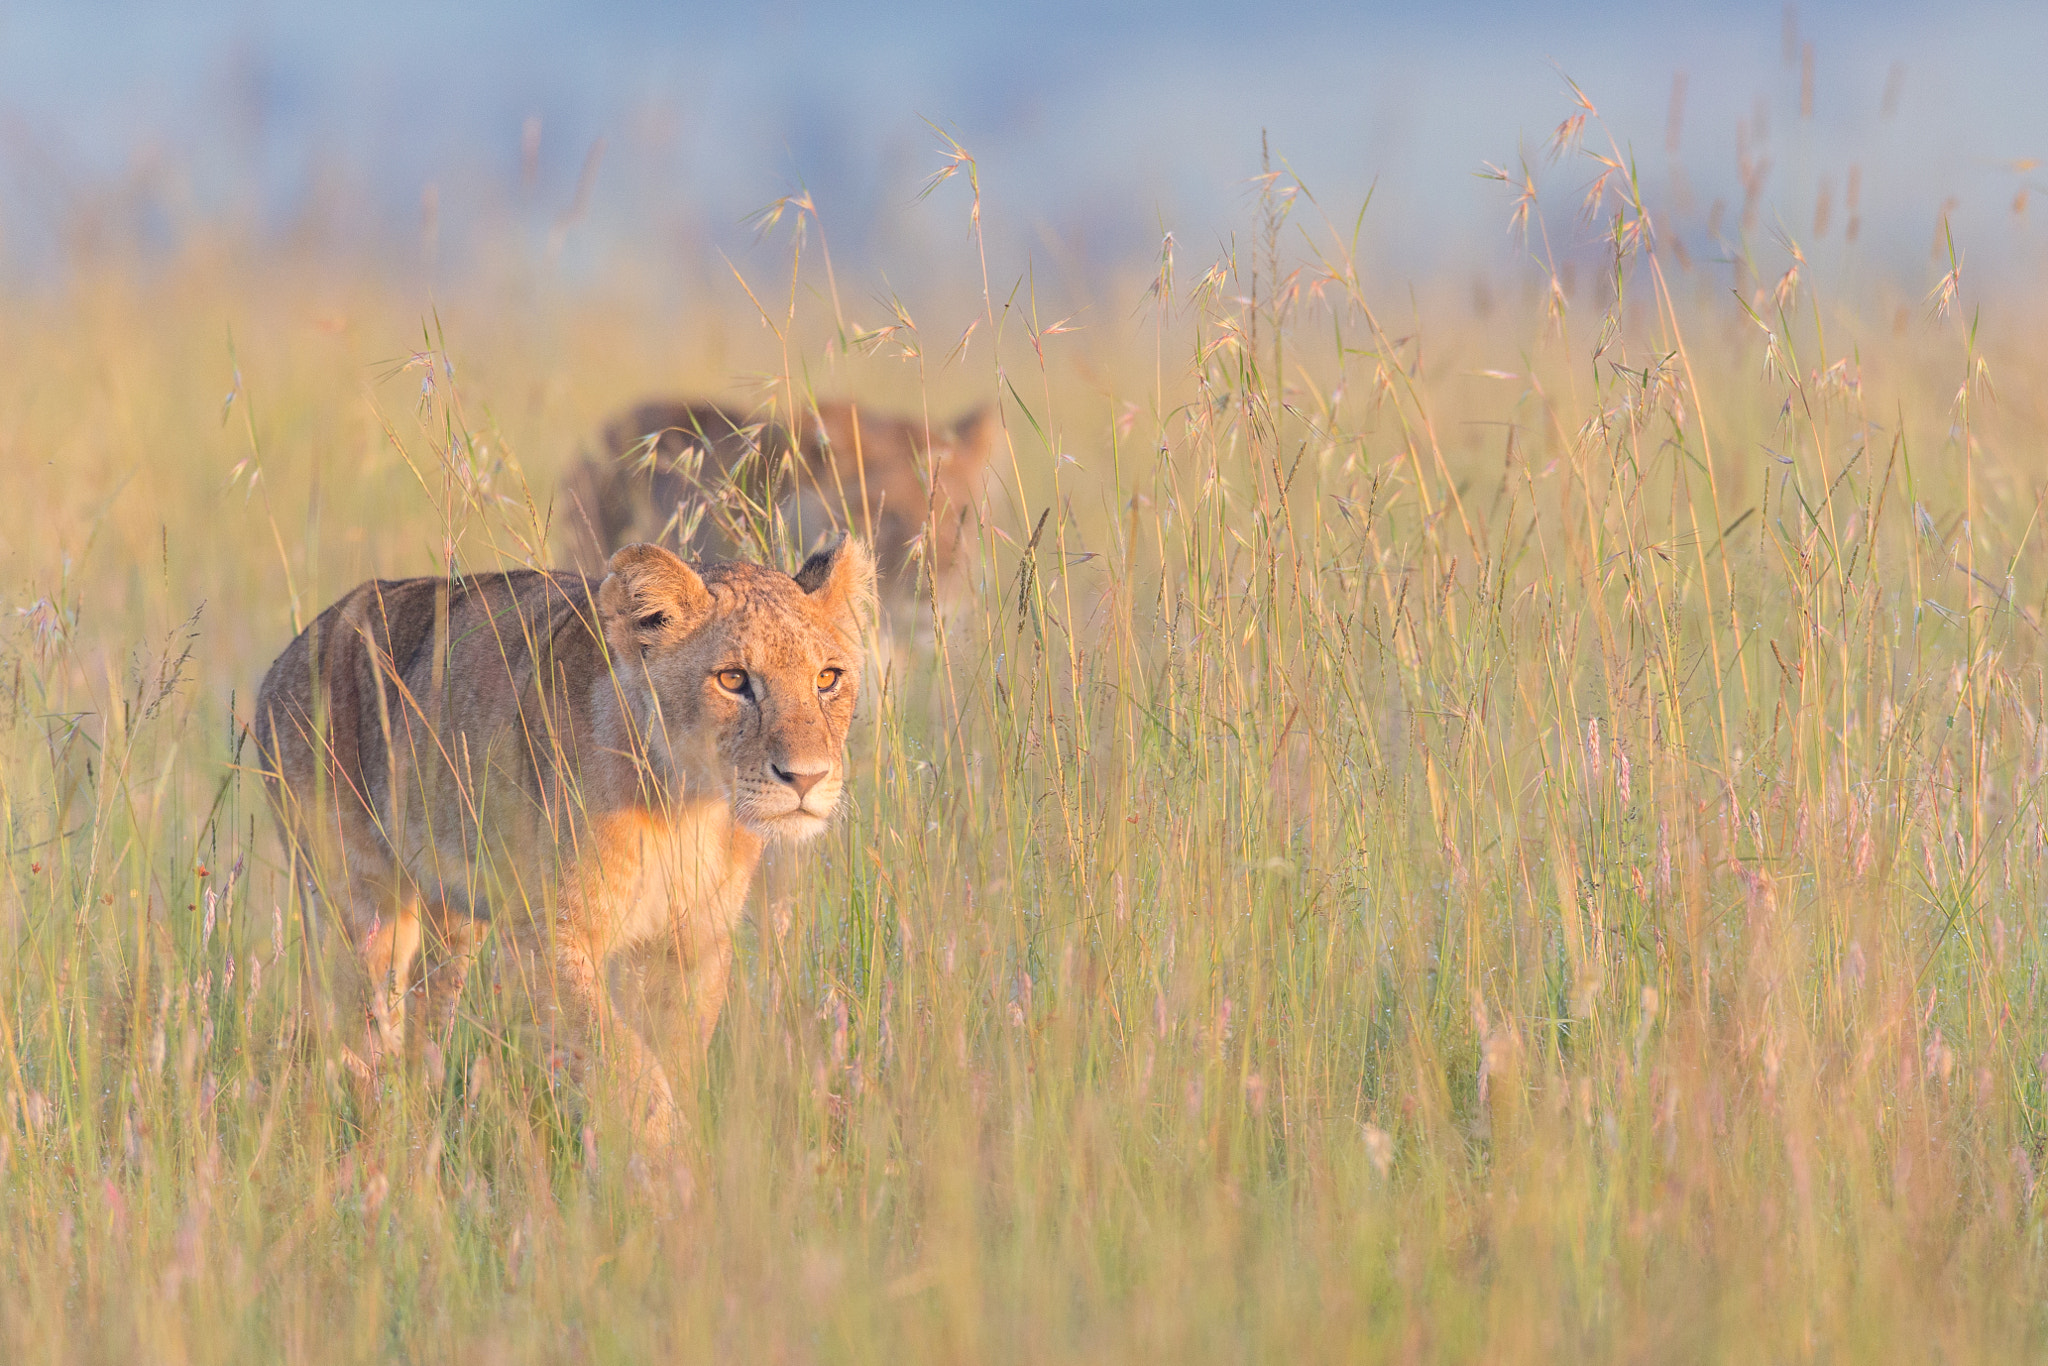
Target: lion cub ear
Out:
[842,577]
[649,598]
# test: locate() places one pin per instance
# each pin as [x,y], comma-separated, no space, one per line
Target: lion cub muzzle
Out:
[789,800]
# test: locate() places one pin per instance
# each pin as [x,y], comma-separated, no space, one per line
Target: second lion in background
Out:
[697,476]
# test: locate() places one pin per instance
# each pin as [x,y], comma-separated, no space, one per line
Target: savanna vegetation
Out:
[1448,827]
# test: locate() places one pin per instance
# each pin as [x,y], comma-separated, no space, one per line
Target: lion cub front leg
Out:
[452,939]
[383,932]
[705,987]
[669,995]
[387,953]
[580,1029]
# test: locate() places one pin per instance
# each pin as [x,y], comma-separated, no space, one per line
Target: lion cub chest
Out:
[683,878]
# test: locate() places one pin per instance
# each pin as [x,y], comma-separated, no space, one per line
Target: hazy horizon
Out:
[1096,129]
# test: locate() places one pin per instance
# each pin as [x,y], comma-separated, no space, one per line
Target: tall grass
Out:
[1472,837]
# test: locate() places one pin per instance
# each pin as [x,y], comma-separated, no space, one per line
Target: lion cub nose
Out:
[802,782]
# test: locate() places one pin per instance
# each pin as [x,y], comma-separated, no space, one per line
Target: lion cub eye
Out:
[733,680]
[828,679]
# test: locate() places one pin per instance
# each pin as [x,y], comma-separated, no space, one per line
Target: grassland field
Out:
[1445,831]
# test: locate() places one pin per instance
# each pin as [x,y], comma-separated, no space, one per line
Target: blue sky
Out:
[1096,126]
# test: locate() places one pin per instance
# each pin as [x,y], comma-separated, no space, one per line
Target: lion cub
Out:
[686,474]
[589,765]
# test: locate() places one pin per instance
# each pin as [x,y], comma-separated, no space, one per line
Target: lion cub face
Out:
[747,677]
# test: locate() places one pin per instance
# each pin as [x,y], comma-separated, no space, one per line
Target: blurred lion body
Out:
[566,759]
[690,475]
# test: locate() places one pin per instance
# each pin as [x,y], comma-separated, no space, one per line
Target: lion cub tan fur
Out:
[684,473]
[590,766]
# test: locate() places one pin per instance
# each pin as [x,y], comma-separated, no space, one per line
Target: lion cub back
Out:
[356,715]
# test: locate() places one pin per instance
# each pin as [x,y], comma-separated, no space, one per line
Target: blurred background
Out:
[1246,934]
[635,139]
